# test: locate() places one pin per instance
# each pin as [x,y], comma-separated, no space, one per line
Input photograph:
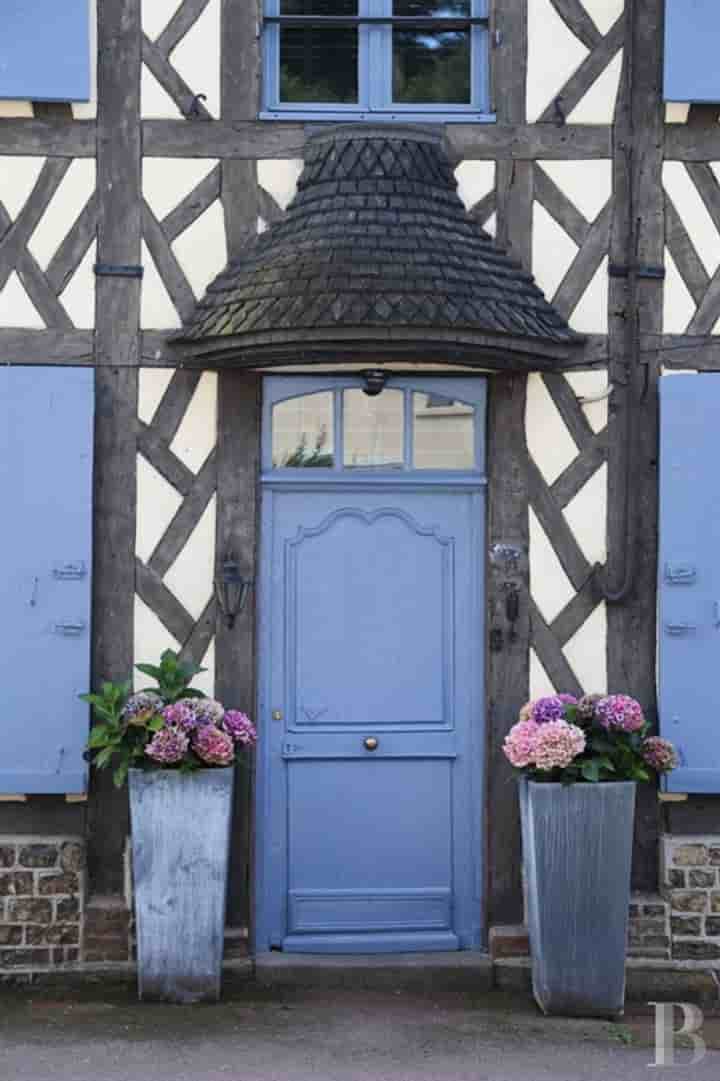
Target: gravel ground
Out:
[101,1034]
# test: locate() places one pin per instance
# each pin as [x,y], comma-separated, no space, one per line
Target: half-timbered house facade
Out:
[453,255]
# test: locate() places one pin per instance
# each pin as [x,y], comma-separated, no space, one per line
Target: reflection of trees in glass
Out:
[319,65]
[431,67]
[302,458]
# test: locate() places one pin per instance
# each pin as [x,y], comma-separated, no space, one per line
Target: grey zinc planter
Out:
[577,850]
[180,846]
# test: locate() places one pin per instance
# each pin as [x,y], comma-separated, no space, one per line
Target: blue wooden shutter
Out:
[46,452]
[689,577]
[692,44]
[45,50]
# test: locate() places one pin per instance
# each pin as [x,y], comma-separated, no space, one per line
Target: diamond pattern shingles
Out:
[377,237]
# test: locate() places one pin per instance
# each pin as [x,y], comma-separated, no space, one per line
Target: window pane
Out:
[444,433]
[302,432]
[319,64]
[373,429]
[431,67]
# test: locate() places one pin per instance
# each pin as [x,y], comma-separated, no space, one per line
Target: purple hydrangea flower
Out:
[551,708]
[213,746]
[168,746]
[660,754]
[140,707]
[240,727]
[621,712]
[177,715]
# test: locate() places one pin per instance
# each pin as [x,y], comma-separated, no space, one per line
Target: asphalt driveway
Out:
[103,1034]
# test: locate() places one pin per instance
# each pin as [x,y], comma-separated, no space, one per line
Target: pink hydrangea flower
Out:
[660,754]
[556,744]
[519,744]
[240,727]
[551,708]
[167,746]
[620,711]
[213,746]
[179,716]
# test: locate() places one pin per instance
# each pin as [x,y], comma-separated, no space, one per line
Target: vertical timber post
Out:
[508,661]
[239,433]
[116,355]
[637,184]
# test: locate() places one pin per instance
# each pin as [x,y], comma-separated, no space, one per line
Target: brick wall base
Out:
[42,895]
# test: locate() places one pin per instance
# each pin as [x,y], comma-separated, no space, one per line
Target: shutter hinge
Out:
[109,270]
[621,270]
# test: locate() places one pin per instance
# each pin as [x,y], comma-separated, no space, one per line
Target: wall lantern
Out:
[231,589]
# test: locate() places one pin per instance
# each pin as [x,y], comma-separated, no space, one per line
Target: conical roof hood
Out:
[376,259]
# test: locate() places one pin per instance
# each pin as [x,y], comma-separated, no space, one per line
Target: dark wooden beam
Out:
[633,461]
[48,138]
[46,346]
[508,659]
[117,346]
[239,434]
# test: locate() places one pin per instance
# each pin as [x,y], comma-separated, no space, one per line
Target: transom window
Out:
[401,428]
[339,59]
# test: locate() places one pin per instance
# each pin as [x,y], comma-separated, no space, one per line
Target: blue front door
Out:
[371,711]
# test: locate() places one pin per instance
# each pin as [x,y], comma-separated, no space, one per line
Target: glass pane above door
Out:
[412,424]
[443,433]
[373,429]
[302,432]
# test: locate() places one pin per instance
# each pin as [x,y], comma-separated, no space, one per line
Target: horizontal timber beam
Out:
[48,138]
[273,139]
[253,139]
[683,143]
[68,347]
[687,352]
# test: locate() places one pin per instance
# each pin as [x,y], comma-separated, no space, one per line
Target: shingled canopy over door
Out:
[376,259]
[46,459]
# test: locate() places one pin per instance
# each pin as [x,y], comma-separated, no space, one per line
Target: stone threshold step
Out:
[457,971]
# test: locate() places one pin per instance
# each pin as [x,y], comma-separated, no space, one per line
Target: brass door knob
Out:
[371,744]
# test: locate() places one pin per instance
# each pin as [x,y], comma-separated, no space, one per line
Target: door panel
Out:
[372,629]
[372,593]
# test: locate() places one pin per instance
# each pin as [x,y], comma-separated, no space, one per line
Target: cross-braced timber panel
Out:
[191,489]
[692,245]
[558,632]
[41,251]
[181,59]
[574,60]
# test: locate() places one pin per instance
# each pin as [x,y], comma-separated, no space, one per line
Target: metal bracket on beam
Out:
[109,270]
[620,270]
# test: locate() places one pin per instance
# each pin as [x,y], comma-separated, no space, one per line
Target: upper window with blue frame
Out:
[376,59]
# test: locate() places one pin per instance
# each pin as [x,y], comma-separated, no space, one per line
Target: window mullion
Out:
[382,69]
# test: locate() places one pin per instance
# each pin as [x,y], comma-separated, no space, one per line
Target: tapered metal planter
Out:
[577,850]
[180,846]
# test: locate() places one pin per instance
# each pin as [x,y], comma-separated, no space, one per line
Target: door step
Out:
[457,971]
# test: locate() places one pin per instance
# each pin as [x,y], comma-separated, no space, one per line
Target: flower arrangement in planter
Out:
[170,726]
[178,749]
[579,761]
[594,738]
